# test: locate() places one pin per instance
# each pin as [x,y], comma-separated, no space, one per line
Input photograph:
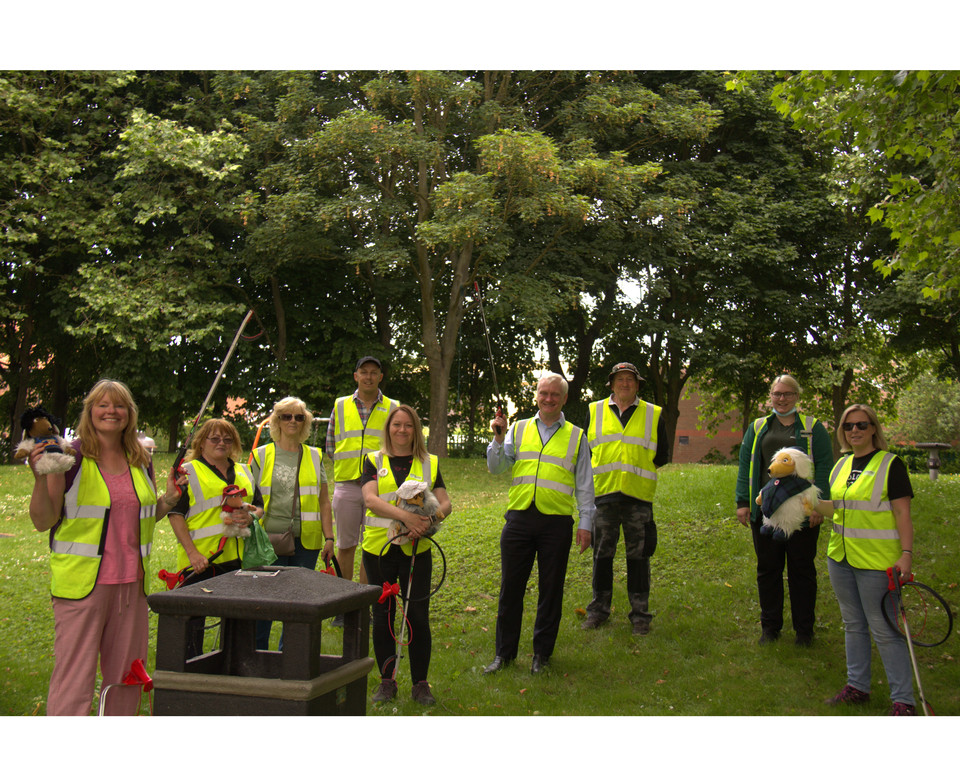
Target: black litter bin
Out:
[236,678]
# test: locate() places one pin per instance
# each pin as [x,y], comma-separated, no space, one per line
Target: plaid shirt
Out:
[331,442]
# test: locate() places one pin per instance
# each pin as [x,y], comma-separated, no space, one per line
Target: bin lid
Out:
[274,593]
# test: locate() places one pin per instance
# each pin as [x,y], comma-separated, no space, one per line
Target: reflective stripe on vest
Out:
[353,439]
[864,528]
[77,545]
[622,456]
[309,478]
[375,535]
[544,474]
[204,525]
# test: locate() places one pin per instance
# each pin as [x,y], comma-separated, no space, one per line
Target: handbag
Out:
[283,543]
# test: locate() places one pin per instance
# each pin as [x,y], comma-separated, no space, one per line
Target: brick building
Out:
[691,444]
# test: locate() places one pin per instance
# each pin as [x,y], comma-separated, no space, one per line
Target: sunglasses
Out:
[294,416]
[217,439]
[863,426]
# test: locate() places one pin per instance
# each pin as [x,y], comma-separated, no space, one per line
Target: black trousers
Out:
[394,567]
[530,535]
[798,553]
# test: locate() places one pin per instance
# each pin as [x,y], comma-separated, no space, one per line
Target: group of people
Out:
[867,494]
[101,516]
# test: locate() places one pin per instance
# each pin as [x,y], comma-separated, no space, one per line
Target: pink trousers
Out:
[109,624]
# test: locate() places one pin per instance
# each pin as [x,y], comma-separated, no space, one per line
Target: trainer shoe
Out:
[849,695]
[421,693]
[899,708]
[386,691]
[592,621]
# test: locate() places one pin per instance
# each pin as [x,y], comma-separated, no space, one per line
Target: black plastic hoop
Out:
[443,561]
[925,592]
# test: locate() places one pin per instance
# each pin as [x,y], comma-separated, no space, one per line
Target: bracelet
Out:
[328,538]
[906,551]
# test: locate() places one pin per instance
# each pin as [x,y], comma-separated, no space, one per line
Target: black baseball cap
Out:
[367,359]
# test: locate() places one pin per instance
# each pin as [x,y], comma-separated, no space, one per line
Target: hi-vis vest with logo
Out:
[76,548]
[309,475]
[544,474]
[806,431]
[353,440]
[864,528]
[203,517]
[622,456]
[375,535]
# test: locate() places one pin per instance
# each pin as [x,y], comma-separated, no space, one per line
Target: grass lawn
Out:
[701,658]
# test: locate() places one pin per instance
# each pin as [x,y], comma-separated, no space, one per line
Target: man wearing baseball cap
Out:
[628,443]
[353,431]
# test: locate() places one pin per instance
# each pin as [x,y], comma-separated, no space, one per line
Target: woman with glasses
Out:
[210,466]
[296,501]
[872,531]
[784,427]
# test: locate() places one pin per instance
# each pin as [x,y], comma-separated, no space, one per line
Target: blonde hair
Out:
[784,378]
[879,441]
[292,405]
[118,394]
[209,427]
[419,447]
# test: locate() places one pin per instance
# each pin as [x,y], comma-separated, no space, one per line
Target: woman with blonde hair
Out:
[872,531]
[784,427]
[101,516]
[403,456]
[296,500]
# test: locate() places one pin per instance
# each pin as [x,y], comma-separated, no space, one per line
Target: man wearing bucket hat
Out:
[628,443]
[353,431]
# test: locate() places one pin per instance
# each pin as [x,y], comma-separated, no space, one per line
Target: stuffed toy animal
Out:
[790,495]
[415,496]
[41,427]
[230,502]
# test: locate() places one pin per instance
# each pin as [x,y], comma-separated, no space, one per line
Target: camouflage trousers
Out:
[640,541]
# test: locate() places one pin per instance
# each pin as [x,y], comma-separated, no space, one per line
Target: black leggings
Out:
[394,567]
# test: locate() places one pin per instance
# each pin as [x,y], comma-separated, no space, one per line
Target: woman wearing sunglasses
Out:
[872,531]
[296,500]
[784,427]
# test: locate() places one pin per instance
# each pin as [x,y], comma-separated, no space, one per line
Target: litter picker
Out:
[183,449]
[895,585]
[493,367]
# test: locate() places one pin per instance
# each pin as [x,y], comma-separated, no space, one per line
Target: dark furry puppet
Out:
[415,496]
[40,427]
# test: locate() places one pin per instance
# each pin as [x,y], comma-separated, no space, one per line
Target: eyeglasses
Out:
[863,426]
[783,395]
[217,440]
[294,416]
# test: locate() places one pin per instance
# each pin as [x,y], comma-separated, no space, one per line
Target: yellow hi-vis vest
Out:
[622,456]
[76,547]
[353,439]
[545,474]
[806,431]
[864,528]
[375,535]
[203,517]
[309,477]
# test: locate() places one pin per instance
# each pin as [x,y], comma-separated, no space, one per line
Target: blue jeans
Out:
[859,593]
[301,558]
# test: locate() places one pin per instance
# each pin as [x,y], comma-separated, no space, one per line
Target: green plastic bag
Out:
[257,549]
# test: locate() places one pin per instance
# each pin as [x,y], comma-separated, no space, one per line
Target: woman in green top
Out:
[296,500]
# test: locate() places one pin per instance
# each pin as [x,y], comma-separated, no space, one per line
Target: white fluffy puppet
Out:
[790,495]
[415,496]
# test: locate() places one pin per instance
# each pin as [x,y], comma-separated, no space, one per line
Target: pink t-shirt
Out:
[121,551]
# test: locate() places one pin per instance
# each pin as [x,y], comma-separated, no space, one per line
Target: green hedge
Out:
[916,459]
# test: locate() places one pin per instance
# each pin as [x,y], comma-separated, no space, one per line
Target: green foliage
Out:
[909,122]
[929,411]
